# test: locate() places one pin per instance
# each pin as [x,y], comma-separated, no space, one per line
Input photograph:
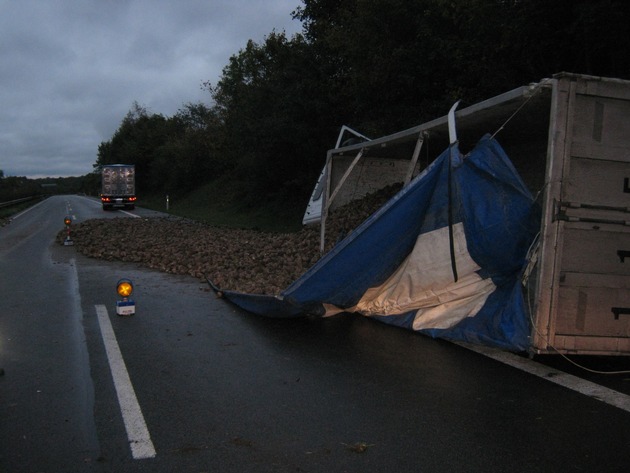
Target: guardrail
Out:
[17,201]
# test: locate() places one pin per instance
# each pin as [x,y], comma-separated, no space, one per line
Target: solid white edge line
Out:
[27,210]
[129,213]
[582,386]
[137,432]
[98,204]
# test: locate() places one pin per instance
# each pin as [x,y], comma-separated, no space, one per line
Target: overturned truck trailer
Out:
[530,252]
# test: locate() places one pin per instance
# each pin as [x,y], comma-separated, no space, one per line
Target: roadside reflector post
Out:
[68,241]
[126,306]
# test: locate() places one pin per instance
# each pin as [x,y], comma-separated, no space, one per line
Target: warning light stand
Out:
[126,306]
[68,241]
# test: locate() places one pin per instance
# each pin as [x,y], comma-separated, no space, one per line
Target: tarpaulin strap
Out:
[450,215]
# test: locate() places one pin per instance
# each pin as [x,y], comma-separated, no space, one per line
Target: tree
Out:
[136,142]
[202,142]
[409,61]
[375,65]
[275,116]
[17,187]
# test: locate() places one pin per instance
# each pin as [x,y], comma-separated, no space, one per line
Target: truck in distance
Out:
[118,186]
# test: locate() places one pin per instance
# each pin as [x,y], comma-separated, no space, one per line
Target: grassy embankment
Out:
[216,205]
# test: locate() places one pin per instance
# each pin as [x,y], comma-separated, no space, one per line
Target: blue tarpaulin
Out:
[443,257]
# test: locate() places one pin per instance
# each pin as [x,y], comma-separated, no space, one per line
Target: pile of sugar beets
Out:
[241,260]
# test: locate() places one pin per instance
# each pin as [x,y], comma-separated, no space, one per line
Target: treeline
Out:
[377,66]
[12,188]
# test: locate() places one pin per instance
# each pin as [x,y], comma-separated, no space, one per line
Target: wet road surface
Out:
[223,390]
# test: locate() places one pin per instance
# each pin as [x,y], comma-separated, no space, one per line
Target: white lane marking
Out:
[582,386]
[69,210]
[137,432]
[27,210]
[92,201]
[98,204]
[130,214]
[90,439]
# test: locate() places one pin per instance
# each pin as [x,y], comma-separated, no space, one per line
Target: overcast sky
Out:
[70,70]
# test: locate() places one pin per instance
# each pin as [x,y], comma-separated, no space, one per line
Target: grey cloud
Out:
[71,69]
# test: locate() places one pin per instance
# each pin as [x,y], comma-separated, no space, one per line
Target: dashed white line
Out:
[137,431]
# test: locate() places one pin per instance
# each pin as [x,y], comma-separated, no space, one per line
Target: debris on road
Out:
[240,260]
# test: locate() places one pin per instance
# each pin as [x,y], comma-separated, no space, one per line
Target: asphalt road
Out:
[192,384]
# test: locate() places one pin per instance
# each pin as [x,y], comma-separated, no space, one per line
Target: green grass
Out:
[217,205]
